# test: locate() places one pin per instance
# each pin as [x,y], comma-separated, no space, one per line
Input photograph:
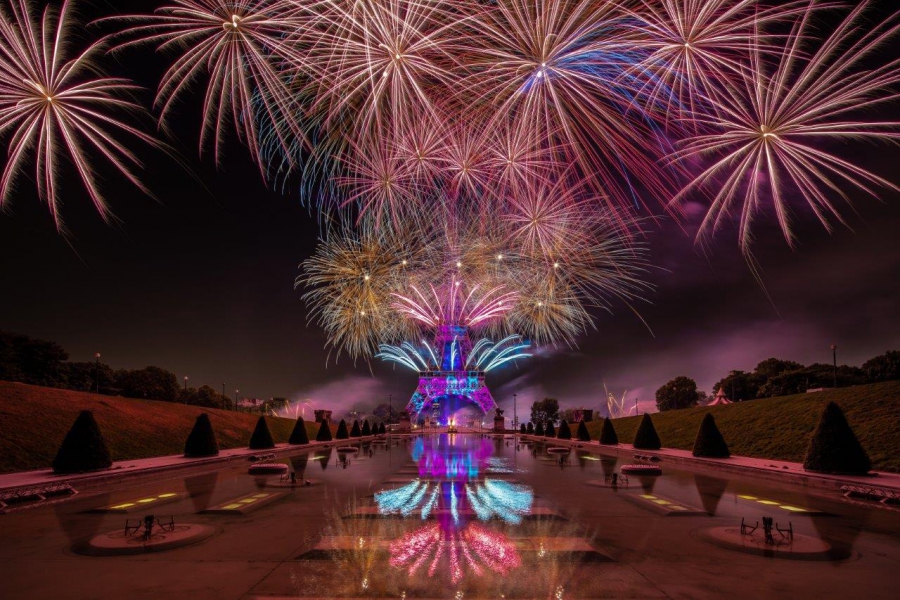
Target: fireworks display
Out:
[54,106]
[510,149]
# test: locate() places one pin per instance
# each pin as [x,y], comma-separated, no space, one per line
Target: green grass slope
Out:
[780,428]
[34,420]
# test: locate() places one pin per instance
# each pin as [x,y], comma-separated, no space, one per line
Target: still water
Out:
[452,516]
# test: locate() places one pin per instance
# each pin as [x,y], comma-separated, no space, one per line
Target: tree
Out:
[739,385]
[205,396]
[324,434]
[355,431]
[583,435]
[884,367]
[262,437]
[151,382]
[772,367]
[568,414]
[382,430]
[83,448]
[545,410]
[550,431]
[709,442]
[646,437]
[834,447]
[32,361]
[539,429]
[342,433]
[565,433]
[680,392]
[383,412]
[366,428]
[530,428]
[522,429]
[202,439]
[608,435]
[299,435]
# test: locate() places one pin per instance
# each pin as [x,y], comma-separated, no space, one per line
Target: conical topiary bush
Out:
[709,442]
[324,434]
[530,429]
[202,439]
[539,429]
[382,430]
[608,435]
[834,447]
[299,435]
[646,437]
[551,430]
[366,429]
[582,434]
[342,431]
[355,431]
[262,437]
[83,448]
[564,432]
[522,429]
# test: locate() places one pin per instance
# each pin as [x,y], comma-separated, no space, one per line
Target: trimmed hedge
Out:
[582,434]
[522,429]
[342,431]
[564,432]
[834,447]
[382,430]
[530,428]
[366,428]
[709,442]
[299,436]
[324,434]
[550,431]
[539,429]
[262,437]
[608,436]
[83,448]
[355,431]
[202,439]
[646,437]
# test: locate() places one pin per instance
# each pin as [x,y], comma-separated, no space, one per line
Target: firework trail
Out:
[54,105]
[239,46]
[765,139]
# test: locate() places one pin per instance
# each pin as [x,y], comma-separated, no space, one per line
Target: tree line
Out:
[777,377]
[40,362]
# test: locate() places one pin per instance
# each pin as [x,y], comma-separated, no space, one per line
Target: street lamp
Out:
[97,371]
[515,415]
[390,408]
[236,392]
[185,383]
[834,358]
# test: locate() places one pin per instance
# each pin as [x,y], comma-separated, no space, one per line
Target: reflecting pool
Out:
[454,516]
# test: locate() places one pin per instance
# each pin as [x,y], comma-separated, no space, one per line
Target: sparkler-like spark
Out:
[54,106]
[765,137]
[240,47]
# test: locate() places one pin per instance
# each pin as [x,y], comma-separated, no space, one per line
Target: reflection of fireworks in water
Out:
[490,499]
[475,547]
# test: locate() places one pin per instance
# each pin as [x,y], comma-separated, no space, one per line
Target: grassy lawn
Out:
[34,421]
[780,428]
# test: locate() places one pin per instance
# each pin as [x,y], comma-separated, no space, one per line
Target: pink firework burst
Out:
[766,136]
[240,47]
[53,105]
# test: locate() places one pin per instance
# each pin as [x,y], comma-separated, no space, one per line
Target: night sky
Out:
[201,281]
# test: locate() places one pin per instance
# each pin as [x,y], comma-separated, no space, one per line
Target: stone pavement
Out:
[763,468]
[146,466]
